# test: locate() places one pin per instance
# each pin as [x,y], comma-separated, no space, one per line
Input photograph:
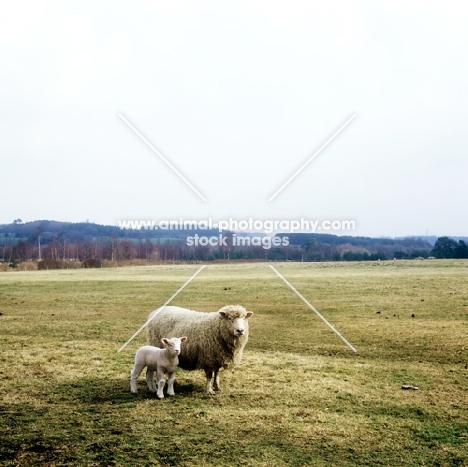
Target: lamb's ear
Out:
[165,341]
[223,314]
[183,339]
[249,314]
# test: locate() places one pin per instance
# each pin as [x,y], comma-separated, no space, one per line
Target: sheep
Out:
[160,360]
[216,340]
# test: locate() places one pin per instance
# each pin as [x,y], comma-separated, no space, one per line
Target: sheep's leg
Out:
[209,376]
[137,369]
[216,385]
[161,383]
[170,384]
[150,380]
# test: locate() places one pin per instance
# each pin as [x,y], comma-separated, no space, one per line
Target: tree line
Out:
[448,248]
[57,244]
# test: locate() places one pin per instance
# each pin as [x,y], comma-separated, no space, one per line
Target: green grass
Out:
[299,398]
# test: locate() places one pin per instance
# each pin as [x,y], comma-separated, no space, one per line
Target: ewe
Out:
[215,340]
[160,360]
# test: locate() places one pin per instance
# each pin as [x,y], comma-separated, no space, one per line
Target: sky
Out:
[236,96]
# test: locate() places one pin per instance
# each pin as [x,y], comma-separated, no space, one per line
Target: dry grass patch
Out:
[300,396]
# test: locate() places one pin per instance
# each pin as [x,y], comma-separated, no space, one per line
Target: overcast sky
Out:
[237,96]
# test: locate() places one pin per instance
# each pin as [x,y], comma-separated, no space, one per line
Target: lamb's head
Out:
[173,344]
[236,316]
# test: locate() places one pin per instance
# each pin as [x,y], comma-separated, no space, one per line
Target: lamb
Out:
[216,340]
[160,360]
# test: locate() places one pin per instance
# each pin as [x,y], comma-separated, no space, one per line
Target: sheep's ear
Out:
[223,314]
[165,341]
[249,314]
[183,339]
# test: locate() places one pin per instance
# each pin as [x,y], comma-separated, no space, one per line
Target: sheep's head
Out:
[236,315]
[173,344]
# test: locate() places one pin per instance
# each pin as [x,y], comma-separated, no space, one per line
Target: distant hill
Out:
[84,231]
[83,241]
[406,242]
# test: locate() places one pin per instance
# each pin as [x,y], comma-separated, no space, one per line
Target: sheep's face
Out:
[173,344]
[237,323]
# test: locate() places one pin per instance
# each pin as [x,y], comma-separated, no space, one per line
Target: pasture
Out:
[299,398]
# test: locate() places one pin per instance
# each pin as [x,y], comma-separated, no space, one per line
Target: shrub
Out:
[48,263]
[92,263]
[27,266]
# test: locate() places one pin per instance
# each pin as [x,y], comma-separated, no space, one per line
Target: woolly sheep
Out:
[216,340]
[160,360]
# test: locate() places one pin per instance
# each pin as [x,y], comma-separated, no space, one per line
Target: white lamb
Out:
[160,360]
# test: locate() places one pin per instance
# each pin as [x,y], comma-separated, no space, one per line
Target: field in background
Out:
[300,397]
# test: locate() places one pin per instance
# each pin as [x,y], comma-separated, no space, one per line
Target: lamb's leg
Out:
[161,383]
[216,385]
[170,384]
[209,376]
[150,380]
[137,369]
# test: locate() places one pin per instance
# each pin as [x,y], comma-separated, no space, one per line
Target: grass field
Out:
[300,397]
